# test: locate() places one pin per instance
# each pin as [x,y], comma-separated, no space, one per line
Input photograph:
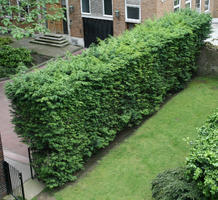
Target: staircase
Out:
[51,40]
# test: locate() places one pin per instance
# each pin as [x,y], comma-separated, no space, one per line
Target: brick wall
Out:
[2,178]
[119,23]
[164,7]
[214,8]
[148,9]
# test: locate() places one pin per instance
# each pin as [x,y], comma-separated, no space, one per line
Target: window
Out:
[188,3]
[176,5]
[207,5]
[85,6]
[133,11]
[107,7]
[198,5]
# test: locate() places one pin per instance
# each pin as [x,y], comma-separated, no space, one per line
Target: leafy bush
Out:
[174,185]
[202,163]
[5,41]
[74,107]
[11,58]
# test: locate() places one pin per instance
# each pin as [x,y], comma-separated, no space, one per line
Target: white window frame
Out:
[104,10]
[133,6]
[188,2]
[81,5]
[176,6]
[19,14]
[198,8]
[208,6]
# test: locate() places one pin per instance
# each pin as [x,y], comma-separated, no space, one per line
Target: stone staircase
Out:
[51,40]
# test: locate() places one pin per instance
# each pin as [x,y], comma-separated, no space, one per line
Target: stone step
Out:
[53,35]
[51,41]
[52,38]
[50,44]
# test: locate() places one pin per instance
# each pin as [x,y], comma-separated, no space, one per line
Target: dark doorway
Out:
[96,28]
[65,26]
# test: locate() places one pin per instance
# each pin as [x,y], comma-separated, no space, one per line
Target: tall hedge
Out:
[202,163]
[75,106]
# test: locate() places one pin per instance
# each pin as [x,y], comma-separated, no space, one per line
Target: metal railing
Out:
[14,181]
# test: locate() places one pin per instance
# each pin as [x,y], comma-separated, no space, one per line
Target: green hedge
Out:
[173,185]
[74,107]
[5,41]
[11,58]
[202,163]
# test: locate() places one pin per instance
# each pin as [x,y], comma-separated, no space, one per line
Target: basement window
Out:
[198,5]
[188,3]
[107,7]
[207,5]
[133,11]
[176,5]
[85,6]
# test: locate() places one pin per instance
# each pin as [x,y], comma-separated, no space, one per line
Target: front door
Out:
[59,26]
[55,26]
[96,28]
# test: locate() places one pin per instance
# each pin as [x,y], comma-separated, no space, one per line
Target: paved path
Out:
[12,145]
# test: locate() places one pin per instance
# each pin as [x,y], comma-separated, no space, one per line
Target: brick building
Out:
[89,19]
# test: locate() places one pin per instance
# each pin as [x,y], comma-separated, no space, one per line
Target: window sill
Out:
[136,21]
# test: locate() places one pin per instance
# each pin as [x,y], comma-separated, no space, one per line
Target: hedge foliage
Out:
[74,107]
[202,163]
[174,185]
[5,41]
[12,58]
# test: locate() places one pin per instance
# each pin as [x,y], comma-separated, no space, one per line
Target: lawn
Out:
[126,172]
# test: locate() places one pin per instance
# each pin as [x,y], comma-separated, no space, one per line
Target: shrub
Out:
[202,165]
[74,107]
[174,185]
[11,58]
[5,41]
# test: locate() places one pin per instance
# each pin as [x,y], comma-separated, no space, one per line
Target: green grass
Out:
[126,172]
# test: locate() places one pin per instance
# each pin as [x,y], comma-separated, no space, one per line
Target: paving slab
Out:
[10,141]
[45,50]
[32,188]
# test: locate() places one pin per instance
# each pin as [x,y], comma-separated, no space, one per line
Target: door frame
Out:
[68,17]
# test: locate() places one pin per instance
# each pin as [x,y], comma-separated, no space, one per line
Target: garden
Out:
[15,60]
[76,107]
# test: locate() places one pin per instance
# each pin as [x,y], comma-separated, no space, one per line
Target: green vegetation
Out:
[13,59]
[75,107]
[174,185]
[198,180]
[202,163]
[127,171]
[25,21]
[5,41]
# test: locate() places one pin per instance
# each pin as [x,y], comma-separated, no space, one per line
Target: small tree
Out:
[23,18]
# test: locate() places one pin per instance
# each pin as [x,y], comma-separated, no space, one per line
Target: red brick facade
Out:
[149,9]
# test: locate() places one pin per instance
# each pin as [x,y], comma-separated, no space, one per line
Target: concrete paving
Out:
[32,188]
[45,50]
[214,35]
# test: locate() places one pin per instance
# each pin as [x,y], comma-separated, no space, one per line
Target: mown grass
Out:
[126,172]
